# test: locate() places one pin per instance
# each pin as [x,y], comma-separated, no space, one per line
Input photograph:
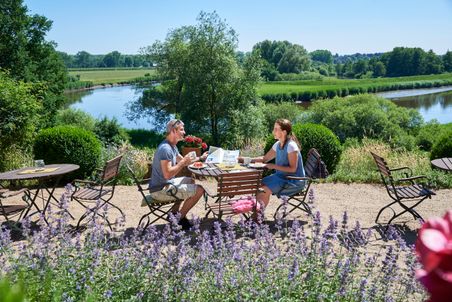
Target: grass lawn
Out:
[111,76]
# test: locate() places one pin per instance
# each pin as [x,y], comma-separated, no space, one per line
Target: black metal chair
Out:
[158,209]
[9,211]
[99,192]
[297,200]
[399,192]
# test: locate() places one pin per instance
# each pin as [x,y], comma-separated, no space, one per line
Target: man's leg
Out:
[190,202]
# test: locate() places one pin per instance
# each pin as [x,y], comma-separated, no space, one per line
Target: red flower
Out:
[193,141]
[434,249]
[189,139]
[204,146]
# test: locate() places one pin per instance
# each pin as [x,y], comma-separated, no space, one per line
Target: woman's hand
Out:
[204,156]
[270,166]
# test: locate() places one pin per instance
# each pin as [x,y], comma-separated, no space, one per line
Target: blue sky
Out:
[344,27]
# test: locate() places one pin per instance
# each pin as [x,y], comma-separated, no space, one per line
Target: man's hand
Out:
[186,160]
[204,156]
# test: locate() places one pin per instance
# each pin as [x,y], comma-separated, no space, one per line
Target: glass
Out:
[39,164]
[246,161]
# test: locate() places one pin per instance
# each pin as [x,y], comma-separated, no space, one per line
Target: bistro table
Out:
[242,184]
[443,163]
[41,175]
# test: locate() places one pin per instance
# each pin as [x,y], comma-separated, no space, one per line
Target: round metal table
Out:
[54,172]
[443,163]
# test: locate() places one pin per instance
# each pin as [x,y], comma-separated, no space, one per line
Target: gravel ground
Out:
[361,201]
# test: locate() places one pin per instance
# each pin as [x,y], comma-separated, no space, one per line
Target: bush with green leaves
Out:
[366,116]
[145,138]
[109,131]
[315,136]
[287,110]
[321,138]
[75,117]
[69,144]
[245,128]
[11,292]
[443,146]
[429,134]
[19,116]
[357,165]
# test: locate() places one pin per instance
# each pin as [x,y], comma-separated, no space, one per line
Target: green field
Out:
[334,83]
[306,90]
[111,76]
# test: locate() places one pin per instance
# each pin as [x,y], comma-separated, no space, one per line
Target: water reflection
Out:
[431,106]
[110,102]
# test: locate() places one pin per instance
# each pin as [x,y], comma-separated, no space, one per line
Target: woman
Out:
[288,163]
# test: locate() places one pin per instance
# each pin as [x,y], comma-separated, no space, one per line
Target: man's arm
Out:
[169,171]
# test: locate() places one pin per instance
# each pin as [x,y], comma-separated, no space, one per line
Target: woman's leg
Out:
[264,197]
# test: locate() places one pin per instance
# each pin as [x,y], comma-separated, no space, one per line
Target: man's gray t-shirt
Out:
[165,151]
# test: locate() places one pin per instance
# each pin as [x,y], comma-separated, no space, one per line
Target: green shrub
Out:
[429,133]
[365,116]
[287,110]
[11,292]
[246,127]
[321,138]
[109,131]
[443,146]
[314,136]
[136,158]
[144,138]
[69,144]
[75,117]
[18,117]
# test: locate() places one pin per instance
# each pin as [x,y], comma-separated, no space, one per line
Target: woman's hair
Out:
[285,124]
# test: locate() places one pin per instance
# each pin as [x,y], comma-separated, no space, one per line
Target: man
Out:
[165,166]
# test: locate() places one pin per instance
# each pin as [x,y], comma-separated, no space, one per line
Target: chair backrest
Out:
[239,183]
[383,168]
[314,166]
[111,168]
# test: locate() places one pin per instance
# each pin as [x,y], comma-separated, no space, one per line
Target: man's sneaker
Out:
[185,224]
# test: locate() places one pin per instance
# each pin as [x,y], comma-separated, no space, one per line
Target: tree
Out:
[112,59]
[205,83]
[379,69]
[18,116]
[321,55]
[83,59]
[447,61]
[294,60]
[24,52]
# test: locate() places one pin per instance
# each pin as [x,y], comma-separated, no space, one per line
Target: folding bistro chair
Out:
[9,211]
[401,193]
[232,186]
[99,192]
[297,199]
[158,209]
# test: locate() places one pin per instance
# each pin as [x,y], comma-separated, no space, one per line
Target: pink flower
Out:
[434,249]
[204,146]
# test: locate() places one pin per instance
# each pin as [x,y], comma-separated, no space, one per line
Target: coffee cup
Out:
[192,155]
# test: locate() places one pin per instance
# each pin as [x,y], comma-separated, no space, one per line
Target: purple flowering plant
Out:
[233,262]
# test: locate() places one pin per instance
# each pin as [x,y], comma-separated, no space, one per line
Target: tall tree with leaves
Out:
[28,57]
[205,82]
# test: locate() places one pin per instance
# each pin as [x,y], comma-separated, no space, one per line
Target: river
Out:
[435,103]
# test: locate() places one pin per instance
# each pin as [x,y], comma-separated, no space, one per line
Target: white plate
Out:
[257,165]
[200,167]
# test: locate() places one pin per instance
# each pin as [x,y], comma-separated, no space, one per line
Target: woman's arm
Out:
[293,163]
[271,154]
